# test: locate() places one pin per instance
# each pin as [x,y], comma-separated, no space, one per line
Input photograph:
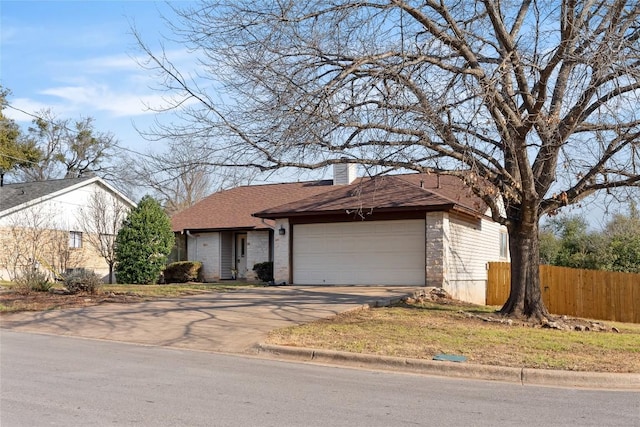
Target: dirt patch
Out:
[11,301]
[566,323]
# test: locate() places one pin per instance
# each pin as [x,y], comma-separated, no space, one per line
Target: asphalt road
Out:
[54,380]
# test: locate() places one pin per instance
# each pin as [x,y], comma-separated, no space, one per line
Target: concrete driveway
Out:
[226,322]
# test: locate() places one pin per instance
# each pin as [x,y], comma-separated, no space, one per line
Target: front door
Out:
[241,255]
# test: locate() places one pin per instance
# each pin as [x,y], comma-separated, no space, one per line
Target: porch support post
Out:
[282,252]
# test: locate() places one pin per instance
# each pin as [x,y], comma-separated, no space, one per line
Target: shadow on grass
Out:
[451,307]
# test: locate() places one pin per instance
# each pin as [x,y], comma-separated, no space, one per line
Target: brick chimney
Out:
[344,173]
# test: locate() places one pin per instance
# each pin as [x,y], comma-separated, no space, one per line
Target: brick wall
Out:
[49,248]
[257,250]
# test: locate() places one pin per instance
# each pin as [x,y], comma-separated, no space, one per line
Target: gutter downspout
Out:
[188,233]
[264,221]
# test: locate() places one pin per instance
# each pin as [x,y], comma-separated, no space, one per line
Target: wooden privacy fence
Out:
[593,294]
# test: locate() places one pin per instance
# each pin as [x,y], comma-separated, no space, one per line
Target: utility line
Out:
[35,116]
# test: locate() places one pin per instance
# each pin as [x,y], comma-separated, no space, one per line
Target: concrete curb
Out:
[524,376]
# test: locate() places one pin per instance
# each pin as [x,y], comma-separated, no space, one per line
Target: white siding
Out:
[473,244]
[61,212]
[344,173]
[205,247]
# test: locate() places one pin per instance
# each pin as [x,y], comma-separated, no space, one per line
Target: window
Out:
[504,244]
[75,239]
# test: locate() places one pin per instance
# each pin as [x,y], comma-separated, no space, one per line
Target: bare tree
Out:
[178,178]
[69,148]
[534,104]
[101,219]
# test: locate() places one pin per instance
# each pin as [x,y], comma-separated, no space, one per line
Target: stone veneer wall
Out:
[457,251]
[281,252]
[257,251]
[436,242]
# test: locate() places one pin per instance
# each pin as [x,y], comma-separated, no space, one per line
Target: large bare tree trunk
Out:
[525,298]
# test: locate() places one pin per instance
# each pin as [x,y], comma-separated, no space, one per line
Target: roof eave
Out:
[399,209]
[219,229]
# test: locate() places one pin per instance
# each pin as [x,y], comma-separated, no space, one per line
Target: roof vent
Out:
[344,173]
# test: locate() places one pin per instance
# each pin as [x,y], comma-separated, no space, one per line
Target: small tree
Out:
[622,235]
[102,219]
[577,247]
[143,243]
[566,242]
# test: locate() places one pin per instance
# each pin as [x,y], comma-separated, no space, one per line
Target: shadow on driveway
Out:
[228,322]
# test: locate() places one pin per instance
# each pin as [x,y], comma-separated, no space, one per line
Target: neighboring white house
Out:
[412,229]
[44,225]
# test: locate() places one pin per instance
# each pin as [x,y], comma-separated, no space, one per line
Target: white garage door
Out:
[359,253]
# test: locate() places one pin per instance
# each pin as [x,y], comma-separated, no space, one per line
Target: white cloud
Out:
[100,97]
[121,63]
[115,85]
[25,109]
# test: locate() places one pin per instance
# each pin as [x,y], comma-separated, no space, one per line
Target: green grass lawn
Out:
[422,330]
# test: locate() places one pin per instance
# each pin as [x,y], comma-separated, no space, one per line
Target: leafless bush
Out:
[82,281]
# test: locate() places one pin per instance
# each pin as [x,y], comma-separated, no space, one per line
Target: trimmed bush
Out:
[33,280]
[264,271]
[182,272]
[82,281]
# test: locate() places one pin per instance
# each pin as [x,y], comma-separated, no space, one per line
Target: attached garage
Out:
[359,253]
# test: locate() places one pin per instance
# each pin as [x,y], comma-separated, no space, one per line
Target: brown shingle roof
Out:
[386,194]
[233,208]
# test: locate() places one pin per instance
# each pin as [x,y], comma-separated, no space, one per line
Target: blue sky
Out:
[78,58]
